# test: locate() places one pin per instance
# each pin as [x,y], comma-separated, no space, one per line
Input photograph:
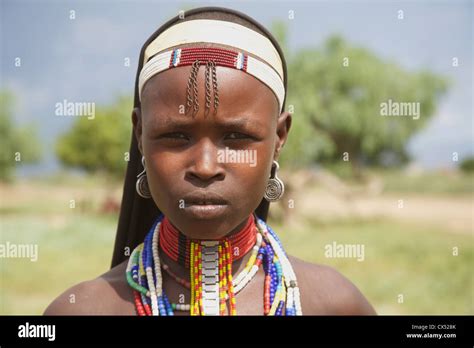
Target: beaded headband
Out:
[269,70]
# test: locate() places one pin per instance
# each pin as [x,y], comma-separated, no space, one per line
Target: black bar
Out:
[325,330]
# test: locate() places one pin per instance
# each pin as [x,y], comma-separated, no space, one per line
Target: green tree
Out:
[467,165]
[99,144]
[337,91]
[19,145]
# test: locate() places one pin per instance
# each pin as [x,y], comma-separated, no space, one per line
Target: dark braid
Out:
[195,87]
[208,88]
[189,102]
[214,84]
[192,95]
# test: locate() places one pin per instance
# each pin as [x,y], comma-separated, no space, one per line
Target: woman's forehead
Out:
[238,92]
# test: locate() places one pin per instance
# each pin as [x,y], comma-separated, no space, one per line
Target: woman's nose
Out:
[205,165]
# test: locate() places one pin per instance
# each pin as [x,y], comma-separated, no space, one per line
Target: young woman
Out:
[209,125]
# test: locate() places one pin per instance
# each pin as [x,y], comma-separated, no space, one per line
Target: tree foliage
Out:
[99,144]
[467,165]
[336,92]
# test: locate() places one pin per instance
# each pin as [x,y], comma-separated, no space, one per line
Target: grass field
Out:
[402,256]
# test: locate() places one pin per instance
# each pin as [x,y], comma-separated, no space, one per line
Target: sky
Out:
[81,59]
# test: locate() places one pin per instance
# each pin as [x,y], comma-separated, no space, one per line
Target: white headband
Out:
[218,32]
[221,33]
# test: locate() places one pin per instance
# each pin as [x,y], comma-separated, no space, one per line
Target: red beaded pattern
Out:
[221,57]
[177,246]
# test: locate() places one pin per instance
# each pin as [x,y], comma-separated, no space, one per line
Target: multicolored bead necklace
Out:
[211,282]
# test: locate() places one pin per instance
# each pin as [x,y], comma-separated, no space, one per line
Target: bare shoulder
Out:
[325,291]
[107,294]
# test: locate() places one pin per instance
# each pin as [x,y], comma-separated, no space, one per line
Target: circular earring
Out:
[142,183]
[275,187]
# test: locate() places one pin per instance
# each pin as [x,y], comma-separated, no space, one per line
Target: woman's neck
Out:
[175,252]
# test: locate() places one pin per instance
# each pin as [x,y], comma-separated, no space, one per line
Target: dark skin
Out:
[181,158]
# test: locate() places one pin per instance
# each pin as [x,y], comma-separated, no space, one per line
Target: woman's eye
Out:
[237,135]
[175,136]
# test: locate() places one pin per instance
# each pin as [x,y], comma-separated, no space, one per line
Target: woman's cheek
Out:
[161,176]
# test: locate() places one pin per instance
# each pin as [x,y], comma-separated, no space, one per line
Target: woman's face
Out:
[193,178]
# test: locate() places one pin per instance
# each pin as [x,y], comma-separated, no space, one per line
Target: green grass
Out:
[407,259]
[70,249]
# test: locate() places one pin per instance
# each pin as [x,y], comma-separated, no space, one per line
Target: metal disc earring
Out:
[142,183]
[275,187]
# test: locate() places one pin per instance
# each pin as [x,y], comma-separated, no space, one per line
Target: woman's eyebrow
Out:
[187,122]
[239,122]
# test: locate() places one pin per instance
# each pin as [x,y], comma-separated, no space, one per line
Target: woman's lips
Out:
[205,211]
[204,205]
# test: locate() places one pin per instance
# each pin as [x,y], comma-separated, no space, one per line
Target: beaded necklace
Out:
[211,282]
[177,246]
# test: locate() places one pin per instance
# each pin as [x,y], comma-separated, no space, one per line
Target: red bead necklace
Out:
[177,246]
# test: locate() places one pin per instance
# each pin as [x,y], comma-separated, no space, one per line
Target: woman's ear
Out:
[137,127]
[283,128]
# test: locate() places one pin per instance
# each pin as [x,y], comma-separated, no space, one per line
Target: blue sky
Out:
[83,59]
